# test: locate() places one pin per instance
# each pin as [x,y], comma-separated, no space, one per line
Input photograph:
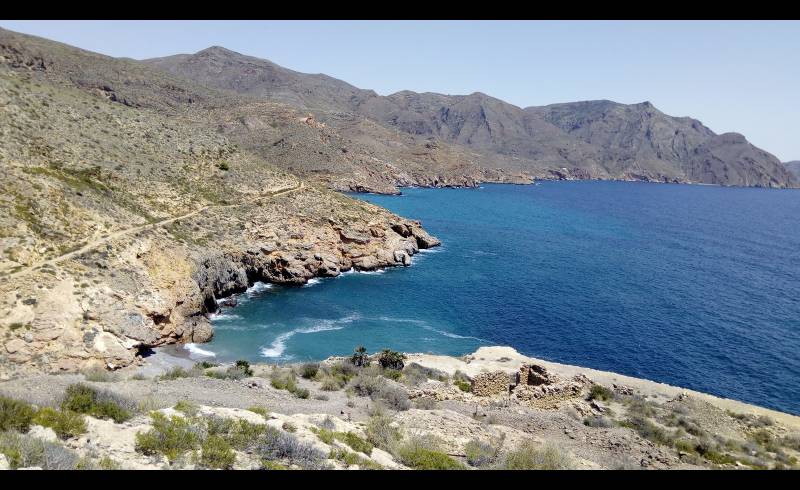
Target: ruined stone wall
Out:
[488,384]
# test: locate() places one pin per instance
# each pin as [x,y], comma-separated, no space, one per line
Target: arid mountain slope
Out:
[123,218]
[794,167]
[593,139]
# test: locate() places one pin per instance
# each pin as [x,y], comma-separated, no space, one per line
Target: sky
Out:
[741,76]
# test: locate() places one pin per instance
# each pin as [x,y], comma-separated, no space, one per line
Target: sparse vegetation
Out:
[600,392]
[527,456]
[15,415]
[389,359]
[64,423]
[481,454]
[84,399]
[423,454]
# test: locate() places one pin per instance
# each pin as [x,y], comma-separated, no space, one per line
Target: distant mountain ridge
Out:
[794,167]
[589,139]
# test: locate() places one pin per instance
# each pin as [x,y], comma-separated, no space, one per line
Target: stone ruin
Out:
[531,384]
[494,383]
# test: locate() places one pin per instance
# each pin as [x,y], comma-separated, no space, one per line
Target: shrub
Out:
[85,399]
[309,370]
[529,457]
[425,403]
[392,374]
[239,433]
[171,437]
[394,397]
[360,358]
[178,372]
[205,365]
[289,427]
[462,381]
[367,384]
[414,374]
[301,393]
[23,451]
[277,444]
[420,454]
[64,423]
[639,407]
[389,359]
[349,459]
[480,454]
[244,366]
[648,430]
[381,433]
[187,408]
[99,375]
[15,415]
[261,411]
[217,453]
[224,166]
[329,383]
[599,392]
[599,421]
[355,442]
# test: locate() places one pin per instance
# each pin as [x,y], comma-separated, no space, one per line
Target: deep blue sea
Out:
[695,286]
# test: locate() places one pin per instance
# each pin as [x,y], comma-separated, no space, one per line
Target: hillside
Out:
[593,139]
[125,212]
[794,167]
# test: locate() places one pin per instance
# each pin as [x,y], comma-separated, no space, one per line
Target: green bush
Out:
[356,443]
[381,433]
[420,455]
[480,454]
[244,366]
[171,437]
[205,365]
[527,456]
[462,381]
[599,392]
[85,399]
[330,383]
[224,166]
[649,430]
[239,433]
[217,453]
[360,358]
[23,451]
[350,459]
[64,423]
[261,411]
[465,386]
[309,370]
[187,407]
[389,359]
[178,372]
[15,415]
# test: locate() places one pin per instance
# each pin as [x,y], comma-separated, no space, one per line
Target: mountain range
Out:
[588,140]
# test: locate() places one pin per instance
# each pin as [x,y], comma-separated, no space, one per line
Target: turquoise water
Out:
[695,286]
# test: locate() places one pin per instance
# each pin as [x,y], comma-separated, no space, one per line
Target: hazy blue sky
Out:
[733,76]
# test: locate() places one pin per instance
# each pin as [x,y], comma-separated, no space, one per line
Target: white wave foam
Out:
[216,317]
[376,271]
[194,350]
[257,288]
[434,250]
[312,281]
[278,346]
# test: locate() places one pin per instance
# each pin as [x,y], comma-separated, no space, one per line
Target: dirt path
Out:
[91,245]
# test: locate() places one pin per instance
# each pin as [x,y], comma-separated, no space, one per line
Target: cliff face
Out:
[125,213]
[591,139]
